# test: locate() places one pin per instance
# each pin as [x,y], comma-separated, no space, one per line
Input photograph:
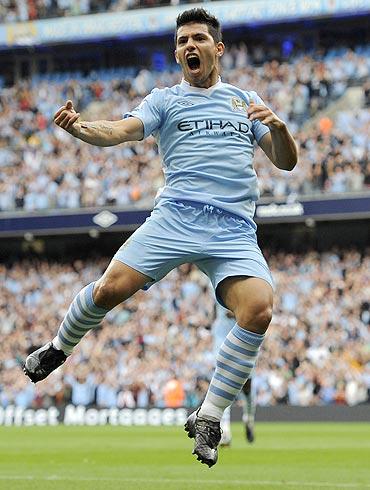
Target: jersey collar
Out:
[189,88]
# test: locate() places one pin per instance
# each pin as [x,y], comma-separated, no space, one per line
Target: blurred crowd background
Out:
[157,348]
[42,167]
[24,10]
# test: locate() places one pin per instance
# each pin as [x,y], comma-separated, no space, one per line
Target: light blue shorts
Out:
[219,243]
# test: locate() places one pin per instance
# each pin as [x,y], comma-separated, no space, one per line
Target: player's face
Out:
[198,54]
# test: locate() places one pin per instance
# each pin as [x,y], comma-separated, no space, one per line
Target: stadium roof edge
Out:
[161,20]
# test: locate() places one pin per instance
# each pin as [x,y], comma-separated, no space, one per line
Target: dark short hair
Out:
[200,16]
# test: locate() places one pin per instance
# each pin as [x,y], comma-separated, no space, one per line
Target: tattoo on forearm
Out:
[99,127]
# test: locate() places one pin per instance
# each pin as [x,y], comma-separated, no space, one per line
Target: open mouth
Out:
[193,62]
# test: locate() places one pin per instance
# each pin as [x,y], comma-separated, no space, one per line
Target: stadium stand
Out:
[24,10]
[316,351]
[334,160]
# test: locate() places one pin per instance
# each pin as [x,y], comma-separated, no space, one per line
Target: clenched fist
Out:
[66,116]
[265,115]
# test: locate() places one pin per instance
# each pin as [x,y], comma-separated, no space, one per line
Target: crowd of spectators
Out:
[317,349]
[24,10]
[333,159]
[43,167]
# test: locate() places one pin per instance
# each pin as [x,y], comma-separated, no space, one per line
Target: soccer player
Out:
[205,130]
[222,325]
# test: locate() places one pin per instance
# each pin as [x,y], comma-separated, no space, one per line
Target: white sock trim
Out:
[57,345]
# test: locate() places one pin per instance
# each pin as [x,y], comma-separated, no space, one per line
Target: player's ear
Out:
[177,58]
[220,48]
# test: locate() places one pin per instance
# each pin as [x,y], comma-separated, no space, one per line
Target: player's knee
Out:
[256,317]
[106,294]
[263,318]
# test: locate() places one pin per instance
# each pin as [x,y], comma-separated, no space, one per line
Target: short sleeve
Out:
[258,129]
[149,112]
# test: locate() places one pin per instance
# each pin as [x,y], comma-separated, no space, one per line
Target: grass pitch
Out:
[284,456]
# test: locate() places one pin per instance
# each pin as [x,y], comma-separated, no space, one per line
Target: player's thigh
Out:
[250,299]
[118,283]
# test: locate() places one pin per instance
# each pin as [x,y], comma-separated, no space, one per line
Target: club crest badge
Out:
[238,105]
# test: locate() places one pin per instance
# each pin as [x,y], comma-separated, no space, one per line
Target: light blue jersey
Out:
[207,143]
[204,214]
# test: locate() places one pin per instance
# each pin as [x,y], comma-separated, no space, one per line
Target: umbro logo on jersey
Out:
[238,105]
[186,103]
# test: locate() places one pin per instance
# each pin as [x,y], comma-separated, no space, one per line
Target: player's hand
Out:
[66,117]
[262,113]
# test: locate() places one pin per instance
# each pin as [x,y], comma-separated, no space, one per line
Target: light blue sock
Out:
[234,364]
[82,316]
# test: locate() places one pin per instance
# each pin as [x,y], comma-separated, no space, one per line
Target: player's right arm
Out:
[99,133]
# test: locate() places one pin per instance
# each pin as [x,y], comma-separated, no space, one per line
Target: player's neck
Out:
[212,79]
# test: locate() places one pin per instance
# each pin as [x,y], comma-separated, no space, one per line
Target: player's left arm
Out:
[278,144]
